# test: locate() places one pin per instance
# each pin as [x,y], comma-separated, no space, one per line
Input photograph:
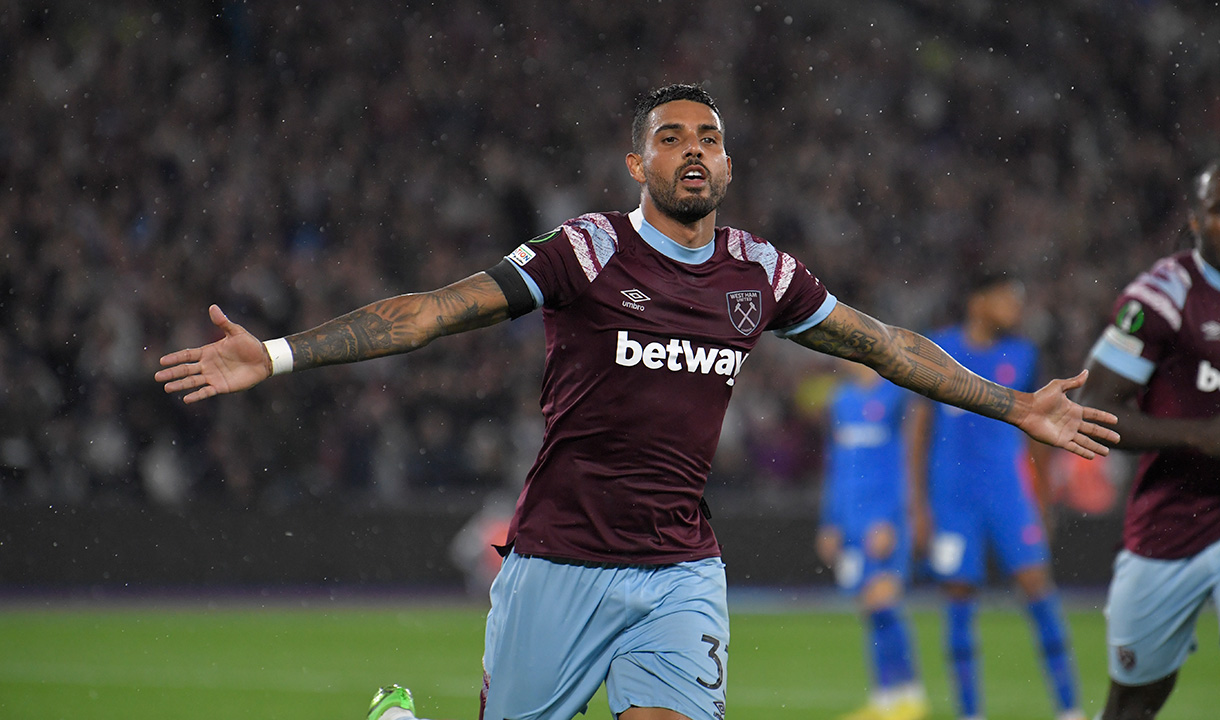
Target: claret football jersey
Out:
[1165,335]
[645,339]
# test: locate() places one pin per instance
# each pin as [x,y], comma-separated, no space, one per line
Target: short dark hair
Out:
[651,100]
[987,279]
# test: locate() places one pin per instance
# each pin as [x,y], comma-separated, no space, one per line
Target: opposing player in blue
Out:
[973,489]
[612,573]
[865,532]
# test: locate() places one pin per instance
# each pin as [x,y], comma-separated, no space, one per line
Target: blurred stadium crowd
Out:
[290,161]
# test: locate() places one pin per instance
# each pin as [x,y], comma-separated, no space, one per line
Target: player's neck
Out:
[695,235]
[981,334]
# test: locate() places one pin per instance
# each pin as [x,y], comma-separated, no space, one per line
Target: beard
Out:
[687,208]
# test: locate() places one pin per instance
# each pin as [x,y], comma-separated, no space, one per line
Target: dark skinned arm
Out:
[1116,394]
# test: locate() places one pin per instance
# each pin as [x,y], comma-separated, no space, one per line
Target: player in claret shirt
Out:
[611,572]
[1157,367]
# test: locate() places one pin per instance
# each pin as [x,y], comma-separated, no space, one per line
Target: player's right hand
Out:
[235,362]
[1208,441]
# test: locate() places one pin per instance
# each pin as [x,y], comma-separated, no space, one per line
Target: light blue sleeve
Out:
[821,314]
[1135,368]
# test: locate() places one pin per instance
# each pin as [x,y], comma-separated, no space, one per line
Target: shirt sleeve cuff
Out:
[1135,368]
[821,314]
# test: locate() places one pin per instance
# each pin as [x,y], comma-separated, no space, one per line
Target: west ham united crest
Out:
[745,310]
[1126,657]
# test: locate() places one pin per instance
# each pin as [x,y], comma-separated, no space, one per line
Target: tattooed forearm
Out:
[938,376]
[965,389]
[360,334]
[400,324]
[908,359]
[458,309]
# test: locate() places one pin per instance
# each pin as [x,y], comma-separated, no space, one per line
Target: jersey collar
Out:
[1210,274]
[668,247]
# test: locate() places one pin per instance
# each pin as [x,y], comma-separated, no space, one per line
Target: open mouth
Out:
[693,176]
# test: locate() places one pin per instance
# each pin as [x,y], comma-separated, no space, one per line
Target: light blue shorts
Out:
[1152,610]
[657,636]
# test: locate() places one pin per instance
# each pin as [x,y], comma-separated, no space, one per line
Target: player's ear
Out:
[635,166]
[728,159]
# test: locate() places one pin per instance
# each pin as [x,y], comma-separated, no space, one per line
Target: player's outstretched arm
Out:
[400,324]
[1114,393]
[916,363]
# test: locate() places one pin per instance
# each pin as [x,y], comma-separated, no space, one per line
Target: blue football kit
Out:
[865,488]
[979,485]
[865,482]
[981,497]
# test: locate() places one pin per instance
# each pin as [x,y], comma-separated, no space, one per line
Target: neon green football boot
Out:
[391,696]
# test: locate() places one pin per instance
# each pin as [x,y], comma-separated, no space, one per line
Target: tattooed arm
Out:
[916,363]
[400,324]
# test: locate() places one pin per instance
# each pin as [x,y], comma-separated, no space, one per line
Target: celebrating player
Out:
[1157,367]
[973,490]
[611,571]
[865,532]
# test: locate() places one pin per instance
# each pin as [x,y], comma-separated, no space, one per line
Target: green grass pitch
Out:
[316,659]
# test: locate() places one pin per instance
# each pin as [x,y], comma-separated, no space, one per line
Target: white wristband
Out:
[281,356]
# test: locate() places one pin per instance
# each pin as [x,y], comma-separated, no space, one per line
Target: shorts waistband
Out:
[592,563]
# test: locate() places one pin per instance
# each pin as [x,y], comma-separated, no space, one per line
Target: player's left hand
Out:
[1053,418]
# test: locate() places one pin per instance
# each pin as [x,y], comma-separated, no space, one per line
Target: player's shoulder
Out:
[605,226]
[746,247]
[593,238]
[1172,275]
[1162,289]
[947,336]
[1020,344]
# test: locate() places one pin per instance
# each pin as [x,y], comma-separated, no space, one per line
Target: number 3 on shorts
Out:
[711,652]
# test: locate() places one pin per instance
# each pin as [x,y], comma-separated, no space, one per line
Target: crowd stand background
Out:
[293,160]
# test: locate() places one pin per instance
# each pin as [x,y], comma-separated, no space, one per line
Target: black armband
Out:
[520,300]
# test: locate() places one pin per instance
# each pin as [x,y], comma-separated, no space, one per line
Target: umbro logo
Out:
[634,296]
[1211,330]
